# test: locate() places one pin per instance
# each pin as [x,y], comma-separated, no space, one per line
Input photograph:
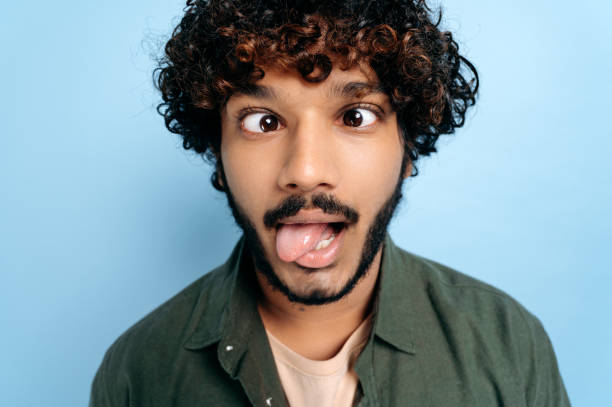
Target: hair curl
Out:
[222,46]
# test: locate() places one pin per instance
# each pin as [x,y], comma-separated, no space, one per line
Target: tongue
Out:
[295,240]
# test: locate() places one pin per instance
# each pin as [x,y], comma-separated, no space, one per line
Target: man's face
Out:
[314,173]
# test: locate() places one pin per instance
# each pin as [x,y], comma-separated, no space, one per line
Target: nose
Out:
[310,160]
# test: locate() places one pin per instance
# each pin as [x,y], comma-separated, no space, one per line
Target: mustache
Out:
[291,205]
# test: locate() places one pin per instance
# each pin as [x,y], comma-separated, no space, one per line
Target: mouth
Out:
[312,245]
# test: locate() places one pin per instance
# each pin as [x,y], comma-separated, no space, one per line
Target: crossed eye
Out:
[358,117]
[259,122]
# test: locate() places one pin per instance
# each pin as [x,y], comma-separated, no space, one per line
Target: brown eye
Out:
[359,117]
[353,118]
[268,123]
[260,122]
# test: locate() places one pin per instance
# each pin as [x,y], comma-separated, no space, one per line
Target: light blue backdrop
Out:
[103,216]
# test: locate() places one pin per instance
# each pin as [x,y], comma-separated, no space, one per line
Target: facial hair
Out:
[329,204]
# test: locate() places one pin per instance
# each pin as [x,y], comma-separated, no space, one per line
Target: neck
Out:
[317,331]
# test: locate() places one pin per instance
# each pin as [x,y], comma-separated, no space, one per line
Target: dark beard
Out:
[292,205]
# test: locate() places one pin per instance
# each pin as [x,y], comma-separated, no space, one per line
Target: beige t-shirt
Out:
[320,383]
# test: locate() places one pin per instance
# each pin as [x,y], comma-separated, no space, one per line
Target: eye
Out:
[358,118]
[260,122]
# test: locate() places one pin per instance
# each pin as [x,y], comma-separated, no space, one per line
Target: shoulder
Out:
[156,342]
[171,323]
[483,324]
[461,294]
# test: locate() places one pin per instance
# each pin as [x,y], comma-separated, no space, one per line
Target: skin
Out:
[313,150]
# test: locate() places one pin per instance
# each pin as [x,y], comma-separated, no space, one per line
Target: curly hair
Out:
[223,46]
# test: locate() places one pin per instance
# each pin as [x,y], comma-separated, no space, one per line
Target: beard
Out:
[329,204]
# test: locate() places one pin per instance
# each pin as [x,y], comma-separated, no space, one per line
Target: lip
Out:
[312,216]
[320,259]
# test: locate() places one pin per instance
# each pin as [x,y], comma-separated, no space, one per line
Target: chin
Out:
[316,285]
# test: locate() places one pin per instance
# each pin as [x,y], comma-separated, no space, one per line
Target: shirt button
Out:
[269,401]
[229,347]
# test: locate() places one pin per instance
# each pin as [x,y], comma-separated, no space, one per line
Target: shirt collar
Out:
[400,292]
[229,319]
[218,303]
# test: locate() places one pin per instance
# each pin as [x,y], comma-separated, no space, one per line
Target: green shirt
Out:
[440,338]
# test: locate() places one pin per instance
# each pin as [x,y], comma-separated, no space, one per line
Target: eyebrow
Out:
[352,90]
[257,91]
[345,90]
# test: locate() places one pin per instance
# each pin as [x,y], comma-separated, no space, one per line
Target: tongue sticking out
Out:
[295,240]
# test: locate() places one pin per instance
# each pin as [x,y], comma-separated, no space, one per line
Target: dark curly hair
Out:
[222,46]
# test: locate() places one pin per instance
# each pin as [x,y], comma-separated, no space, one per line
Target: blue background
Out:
[103,216]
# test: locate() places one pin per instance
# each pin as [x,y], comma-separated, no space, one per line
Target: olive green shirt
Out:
[439,338]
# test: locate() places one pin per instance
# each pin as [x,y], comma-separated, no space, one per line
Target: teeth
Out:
[324,243]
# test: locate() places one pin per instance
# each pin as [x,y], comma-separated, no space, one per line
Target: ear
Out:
[218,179]
[408,170]
[218,172]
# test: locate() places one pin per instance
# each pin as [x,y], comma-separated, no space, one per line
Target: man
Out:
[313,114]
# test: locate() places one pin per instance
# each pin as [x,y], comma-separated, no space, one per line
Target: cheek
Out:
[372,174]
[248,175]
